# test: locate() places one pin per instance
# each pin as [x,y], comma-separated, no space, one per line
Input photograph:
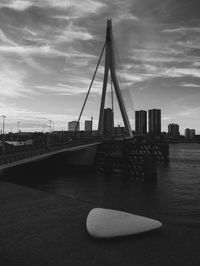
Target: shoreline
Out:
[40,228]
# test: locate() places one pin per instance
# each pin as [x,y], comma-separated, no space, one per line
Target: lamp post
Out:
[3,136]
[18,126]
[91,124]
[50,122]
[48,135]
[18,136]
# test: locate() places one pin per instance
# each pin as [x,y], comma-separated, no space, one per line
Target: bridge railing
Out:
[27,151]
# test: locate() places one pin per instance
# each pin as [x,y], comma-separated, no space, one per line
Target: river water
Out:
[174,198]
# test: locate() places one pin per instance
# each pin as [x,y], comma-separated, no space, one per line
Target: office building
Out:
[141,122]
[108,122]
[119,131]
[173,130]
[190,134]
[72,126]
[88,125]
[154,116]
[187,133]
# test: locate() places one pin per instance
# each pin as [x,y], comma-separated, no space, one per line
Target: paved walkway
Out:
[38,228]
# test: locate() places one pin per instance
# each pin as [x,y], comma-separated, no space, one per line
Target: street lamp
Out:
[18,132]
[91,121]
[50,122]
[3,137]
[48,135]
[18,126]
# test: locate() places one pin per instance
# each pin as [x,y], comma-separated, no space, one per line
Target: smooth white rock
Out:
[106,223]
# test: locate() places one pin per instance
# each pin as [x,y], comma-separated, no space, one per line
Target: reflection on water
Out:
[175,197]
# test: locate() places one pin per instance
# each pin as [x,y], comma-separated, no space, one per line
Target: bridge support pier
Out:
[82,157]
[126,159]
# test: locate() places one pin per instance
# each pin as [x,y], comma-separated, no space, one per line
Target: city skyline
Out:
[49,50]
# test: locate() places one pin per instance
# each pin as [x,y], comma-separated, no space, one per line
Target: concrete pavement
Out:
[39,228]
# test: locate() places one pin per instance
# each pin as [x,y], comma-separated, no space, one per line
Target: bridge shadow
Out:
[82,183]
[43,171]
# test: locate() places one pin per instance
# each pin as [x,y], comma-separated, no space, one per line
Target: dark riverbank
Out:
[43,216]
[39,228]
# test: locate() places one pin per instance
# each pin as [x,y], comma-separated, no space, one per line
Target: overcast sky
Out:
[49,50]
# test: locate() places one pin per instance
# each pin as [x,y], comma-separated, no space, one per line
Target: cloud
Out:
[9,47]
[158,55]
[64,17]
[74,86]
[167,117]
[4,39]
[60,90]
[190,85]
[16,4]
[24,4]
[72,33]
[132,77]
[182,30]
[127,16]
[12,82]
[89,6]
[49,50]
[181,72]
[155,58]
[78,6]
[196,64]
[32,120]
[190,112]
[43,51]
[192,44]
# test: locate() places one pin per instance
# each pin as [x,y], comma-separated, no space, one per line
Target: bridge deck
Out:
[22,158]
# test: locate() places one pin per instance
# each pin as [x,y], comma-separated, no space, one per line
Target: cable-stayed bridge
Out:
[132,156]
[17,156]
[27,154]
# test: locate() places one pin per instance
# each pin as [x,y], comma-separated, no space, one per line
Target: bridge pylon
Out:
[111,66]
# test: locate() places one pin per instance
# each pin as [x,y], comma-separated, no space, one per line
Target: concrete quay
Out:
[39,228]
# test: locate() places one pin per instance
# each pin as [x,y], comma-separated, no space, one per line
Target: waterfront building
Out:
[88,125]
[187,133]
[190,134]
[119,131]
[154,116]
[141,122]
[108,122]
[173,130]
[72,126]
[197,138]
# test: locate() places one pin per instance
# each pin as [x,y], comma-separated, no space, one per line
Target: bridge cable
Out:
[90,87]
[111,83]
[126,91]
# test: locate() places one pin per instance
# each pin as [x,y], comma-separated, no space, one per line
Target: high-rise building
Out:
[190,134]
[72,126]
[88,125]
[173,130]
[187,133]
[141,122]
[108,122]
[119,131]
[154,122]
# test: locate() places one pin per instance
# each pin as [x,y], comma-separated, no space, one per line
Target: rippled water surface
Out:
[175,197]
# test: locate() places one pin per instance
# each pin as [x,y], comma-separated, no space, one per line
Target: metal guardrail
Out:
[14,156]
